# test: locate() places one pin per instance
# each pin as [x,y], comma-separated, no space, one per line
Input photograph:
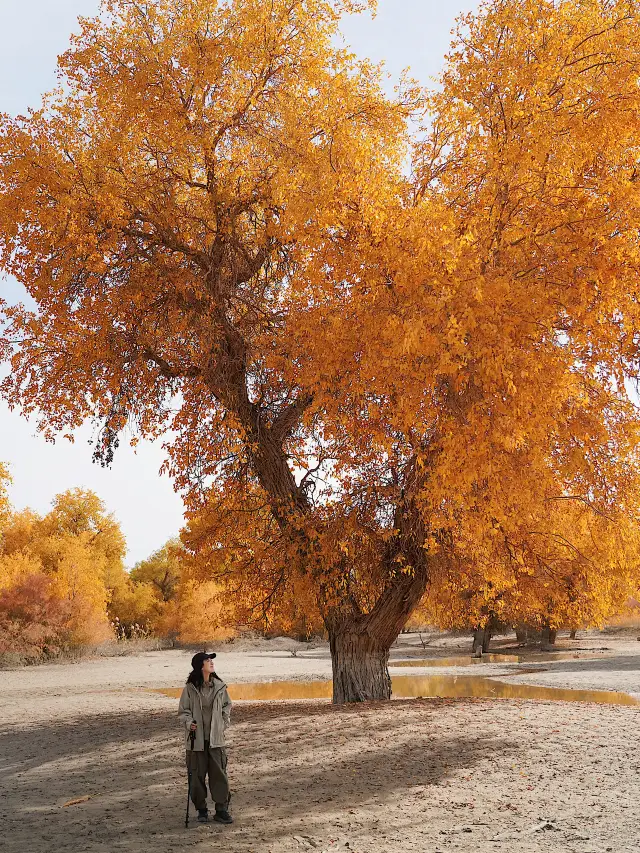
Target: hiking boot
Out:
[203,816]
[222,816]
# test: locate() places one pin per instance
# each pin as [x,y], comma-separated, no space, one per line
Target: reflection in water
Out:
[449,686]
[464,660]
[406,686]
[458,660]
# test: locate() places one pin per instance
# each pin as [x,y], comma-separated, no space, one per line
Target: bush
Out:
[35,623]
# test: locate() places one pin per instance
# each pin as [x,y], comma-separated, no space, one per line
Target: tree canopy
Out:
[372,379]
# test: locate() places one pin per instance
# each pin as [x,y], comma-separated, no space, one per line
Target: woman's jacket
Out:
[190,711]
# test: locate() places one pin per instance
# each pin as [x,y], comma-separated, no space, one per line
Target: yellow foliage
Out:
[81,514]
[15,568]
[67,559]
[19,530]
[162,570]
[199,614]
[137,604]
[373,381]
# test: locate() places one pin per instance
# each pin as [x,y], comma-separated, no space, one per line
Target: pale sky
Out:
[405,33]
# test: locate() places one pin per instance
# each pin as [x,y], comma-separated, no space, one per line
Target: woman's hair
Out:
[196,678]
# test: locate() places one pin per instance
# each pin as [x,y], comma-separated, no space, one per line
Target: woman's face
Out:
[207,669]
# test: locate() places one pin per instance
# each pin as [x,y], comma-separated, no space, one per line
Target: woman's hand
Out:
[193,727]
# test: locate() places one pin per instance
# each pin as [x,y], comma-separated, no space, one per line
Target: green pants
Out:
[212,763]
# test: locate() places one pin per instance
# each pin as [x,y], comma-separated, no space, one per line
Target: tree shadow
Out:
[284,757]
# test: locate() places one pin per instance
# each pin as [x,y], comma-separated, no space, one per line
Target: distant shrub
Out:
[36,623]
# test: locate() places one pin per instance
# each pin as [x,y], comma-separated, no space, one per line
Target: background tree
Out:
[148,599]
[58,575]
[34,620]
[582,574]
[200,614]
[19,529]
[168,597]
[370,377]
[162,570]
[81,516]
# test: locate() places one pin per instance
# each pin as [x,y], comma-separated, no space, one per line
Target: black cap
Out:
[198,660]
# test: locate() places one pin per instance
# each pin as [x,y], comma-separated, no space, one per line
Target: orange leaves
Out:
[57,575]
[362,372]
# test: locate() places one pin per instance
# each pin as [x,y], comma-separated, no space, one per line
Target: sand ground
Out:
[412,775]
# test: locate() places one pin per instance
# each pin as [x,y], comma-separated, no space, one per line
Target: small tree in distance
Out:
[372,378]
[162,570]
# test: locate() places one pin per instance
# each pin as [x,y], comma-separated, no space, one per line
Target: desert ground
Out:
[91,758]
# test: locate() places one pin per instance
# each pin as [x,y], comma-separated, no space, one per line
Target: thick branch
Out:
[289,418]
[167,370]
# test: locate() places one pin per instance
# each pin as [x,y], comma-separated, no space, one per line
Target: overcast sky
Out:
[405,33]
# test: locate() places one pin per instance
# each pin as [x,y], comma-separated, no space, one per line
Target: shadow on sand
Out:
[282,760]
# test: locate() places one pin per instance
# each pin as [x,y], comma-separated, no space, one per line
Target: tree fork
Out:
[360,644]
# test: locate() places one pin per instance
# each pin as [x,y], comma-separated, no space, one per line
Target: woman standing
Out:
[205,709]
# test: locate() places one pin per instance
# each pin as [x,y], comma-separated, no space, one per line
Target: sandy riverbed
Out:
[422,775]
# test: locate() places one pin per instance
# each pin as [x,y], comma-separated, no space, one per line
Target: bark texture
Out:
[360,642]
[360,672]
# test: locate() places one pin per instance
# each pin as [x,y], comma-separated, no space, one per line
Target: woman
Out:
[205,710]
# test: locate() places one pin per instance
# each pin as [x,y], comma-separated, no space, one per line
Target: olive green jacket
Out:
[190,711]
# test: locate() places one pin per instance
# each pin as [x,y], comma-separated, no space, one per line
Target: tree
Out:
[162,570]
[148,598]
[581,573]
[199,614]
[18,530]
[370,377]
[180,234]
[34,620]
[81,515]
[136,610]
[63,570]
[166,597]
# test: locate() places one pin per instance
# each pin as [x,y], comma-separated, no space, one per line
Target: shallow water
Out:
[457,660]
[431,686]
[466,660]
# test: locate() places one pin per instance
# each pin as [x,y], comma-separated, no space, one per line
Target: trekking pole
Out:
[192,738]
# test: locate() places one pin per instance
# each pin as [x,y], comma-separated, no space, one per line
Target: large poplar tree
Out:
[367,377]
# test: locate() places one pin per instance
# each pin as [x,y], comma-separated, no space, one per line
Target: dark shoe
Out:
[222,816]
[203,816]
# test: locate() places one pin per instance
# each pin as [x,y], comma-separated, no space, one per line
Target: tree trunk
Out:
[522,635]
[481,641]
[360,642]
[476,648]
[487,641]
[359,663]
[572,635]
[548,639]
